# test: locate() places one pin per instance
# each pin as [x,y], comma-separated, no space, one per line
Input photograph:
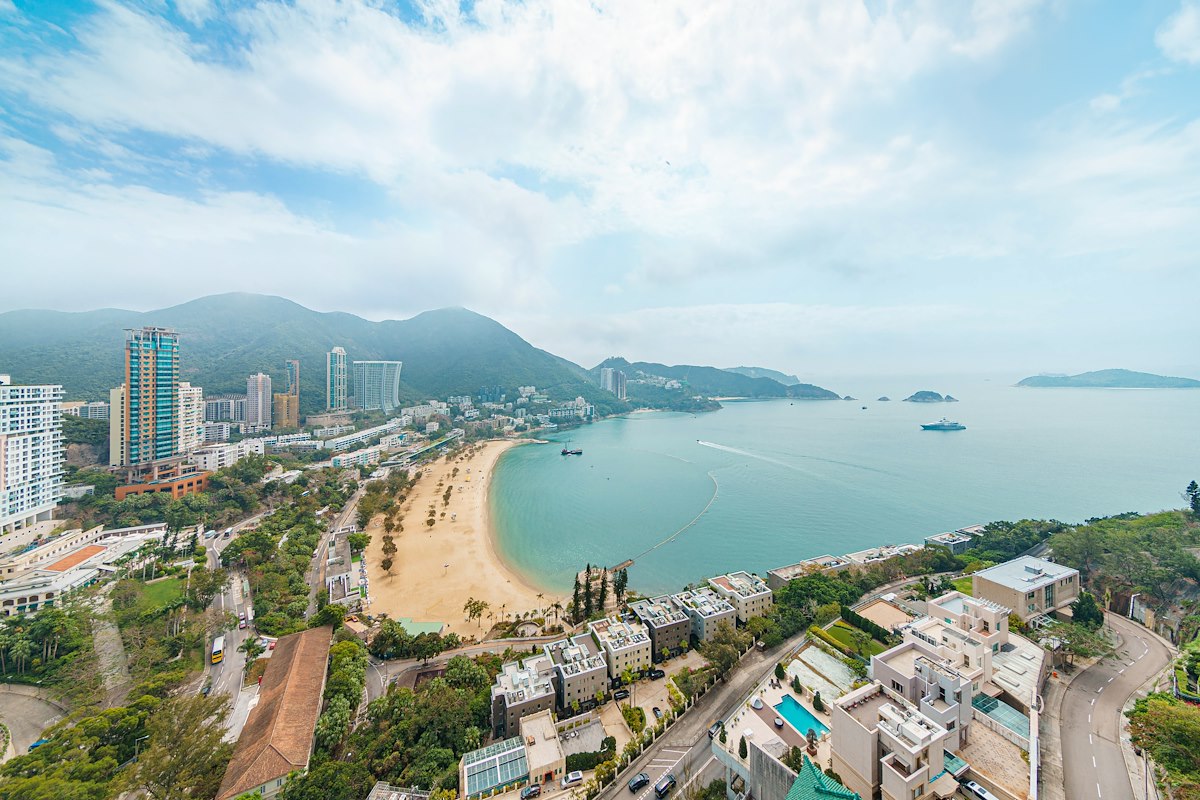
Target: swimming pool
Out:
[800,717]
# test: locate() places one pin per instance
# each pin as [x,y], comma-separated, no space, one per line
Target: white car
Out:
[975,790]
[572,778]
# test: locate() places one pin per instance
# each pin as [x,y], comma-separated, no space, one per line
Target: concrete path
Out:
[27,711]
[1091,717]
[110,653]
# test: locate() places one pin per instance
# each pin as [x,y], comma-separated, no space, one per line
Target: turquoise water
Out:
[800,717]
[769,483]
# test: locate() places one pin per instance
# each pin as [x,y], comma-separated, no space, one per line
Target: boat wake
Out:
[786,465]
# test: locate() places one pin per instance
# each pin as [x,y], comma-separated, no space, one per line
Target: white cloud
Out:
[1179,35]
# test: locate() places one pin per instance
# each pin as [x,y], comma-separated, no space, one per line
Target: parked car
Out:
[621,694]
[975,790]
[638,781]
[531,791]
[664,786]
[656,674]
[715,728]
[242,624]
[572,778]
[658,713]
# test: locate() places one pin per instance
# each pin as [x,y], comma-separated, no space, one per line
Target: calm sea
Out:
[761,484]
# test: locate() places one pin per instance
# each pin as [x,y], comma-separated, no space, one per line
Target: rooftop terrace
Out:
[1026,573]
[576,656]
[619,634]
[704,602]
[658,612]
[743,584]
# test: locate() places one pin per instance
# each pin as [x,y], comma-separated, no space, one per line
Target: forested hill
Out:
[1111,379]
[224,338]
[716,382]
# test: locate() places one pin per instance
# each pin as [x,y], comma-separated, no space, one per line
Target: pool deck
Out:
[760,722]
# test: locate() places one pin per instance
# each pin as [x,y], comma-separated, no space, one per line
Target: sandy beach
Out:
[437,569]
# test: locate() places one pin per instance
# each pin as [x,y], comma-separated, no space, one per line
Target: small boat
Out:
[943,424]
[567,452]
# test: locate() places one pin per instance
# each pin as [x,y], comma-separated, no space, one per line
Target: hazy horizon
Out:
[996,187]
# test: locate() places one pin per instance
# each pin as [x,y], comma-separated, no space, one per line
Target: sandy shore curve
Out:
[437,569]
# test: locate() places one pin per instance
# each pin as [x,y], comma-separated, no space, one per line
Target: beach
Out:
[437,569]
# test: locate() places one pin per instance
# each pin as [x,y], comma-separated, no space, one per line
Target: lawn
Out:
[160,593]
[963,584]
[842,632]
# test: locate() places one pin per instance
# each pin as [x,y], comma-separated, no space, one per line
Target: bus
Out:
[218,651]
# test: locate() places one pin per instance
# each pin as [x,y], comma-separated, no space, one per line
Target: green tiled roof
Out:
[812,784]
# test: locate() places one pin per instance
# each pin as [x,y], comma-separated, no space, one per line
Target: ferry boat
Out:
[943,424]
[567,452]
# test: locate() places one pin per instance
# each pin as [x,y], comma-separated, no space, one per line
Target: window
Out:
[897,686]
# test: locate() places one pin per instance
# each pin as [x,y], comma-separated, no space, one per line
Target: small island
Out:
[848,397]
[1110,379]
[929,397]
[884,399]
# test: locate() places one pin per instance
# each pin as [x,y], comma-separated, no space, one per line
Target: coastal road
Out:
[316,572]
[1092,714]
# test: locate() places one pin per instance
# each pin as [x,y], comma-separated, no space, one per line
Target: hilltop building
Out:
[31,455]
[377,385]
[706,610]
[669,627]
[748,594]
[522,688]
[1030,586]
[258,403]
[335,380]
[278,737]
[626,645]
[580,669]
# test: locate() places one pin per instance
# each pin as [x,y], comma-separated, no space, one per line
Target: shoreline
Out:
[438,567]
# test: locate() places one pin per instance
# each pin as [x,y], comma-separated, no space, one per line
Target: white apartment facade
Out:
[31,454]
[1029,586]
[580,670]
[748,594]
[218,456]
[883,746]
[191,417]
[258,402]
[626,645]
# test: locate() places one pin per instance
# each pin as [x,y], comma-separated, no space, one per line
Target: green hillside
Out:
[715,382]
[763,372]
[1111,379]
[225,338]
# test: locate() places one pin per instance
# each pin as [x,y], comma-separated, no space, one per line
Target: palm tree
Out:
[558,609]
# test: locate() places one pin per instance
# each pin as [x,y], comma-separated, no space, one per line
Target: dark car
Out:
[656,674]
[657,712]
[638,781]
[664,786]
[531,791]
[715,729]
[621,694]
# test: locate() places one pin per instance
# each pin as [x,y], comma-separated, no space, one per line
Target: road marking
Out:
[1094,765]
[1090,741]
[1089,719]
[1098,791]
[1093,701]
[1121,671]
[1101,689]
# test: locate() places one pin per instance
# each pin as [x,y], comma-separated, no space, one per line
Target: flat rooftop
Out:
[1017,667]
[75,559]
[619,634]
[881,553]
[743,584]
[576,656]
[808,566]
[542,746]
[948,538]
[658,612]
[884,614]
[704,602]
[520,682]
[865,710]
[902,658]
[1026,573]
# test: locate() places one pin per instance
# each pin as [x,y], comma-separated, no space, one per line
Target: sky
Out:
[818,187]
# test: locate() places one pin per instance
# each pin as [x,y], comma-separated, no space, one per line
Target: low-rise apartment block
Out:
[925,677]
[368,455]
[706,610]
[953,541]
[1029,586]
[781,576]
[626,645]
[668,626]
[883,746]
[341,572]
[218,456]
[581,671]
[874,555]
[748,594]
[522,688]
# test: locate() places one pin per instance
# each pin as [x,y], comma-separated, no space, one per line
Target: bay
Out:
[761,484]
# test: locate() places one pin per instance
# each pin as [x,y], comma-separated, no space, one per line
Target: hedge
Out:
[859,621]
[824,636]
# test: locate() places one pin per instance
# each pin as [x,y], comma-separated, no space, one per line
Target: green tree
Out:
[1079,640]
[780,672]
[1192,493]
[743,750]
[475,609]
[797,687]
[329,780]
[860,638]
[186,754]
[817,703]
[252,646]
[358,541]
[1086,612]
[1169,731]
[724,647]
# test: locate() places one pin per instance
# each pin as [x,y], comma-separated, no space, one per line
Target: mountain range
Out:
[225,338]
[715,382]
[1110,379]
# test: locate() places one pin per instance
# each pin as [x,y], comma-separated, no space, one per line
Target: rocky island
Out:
[884,399]
[1111,379]
[929,397]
